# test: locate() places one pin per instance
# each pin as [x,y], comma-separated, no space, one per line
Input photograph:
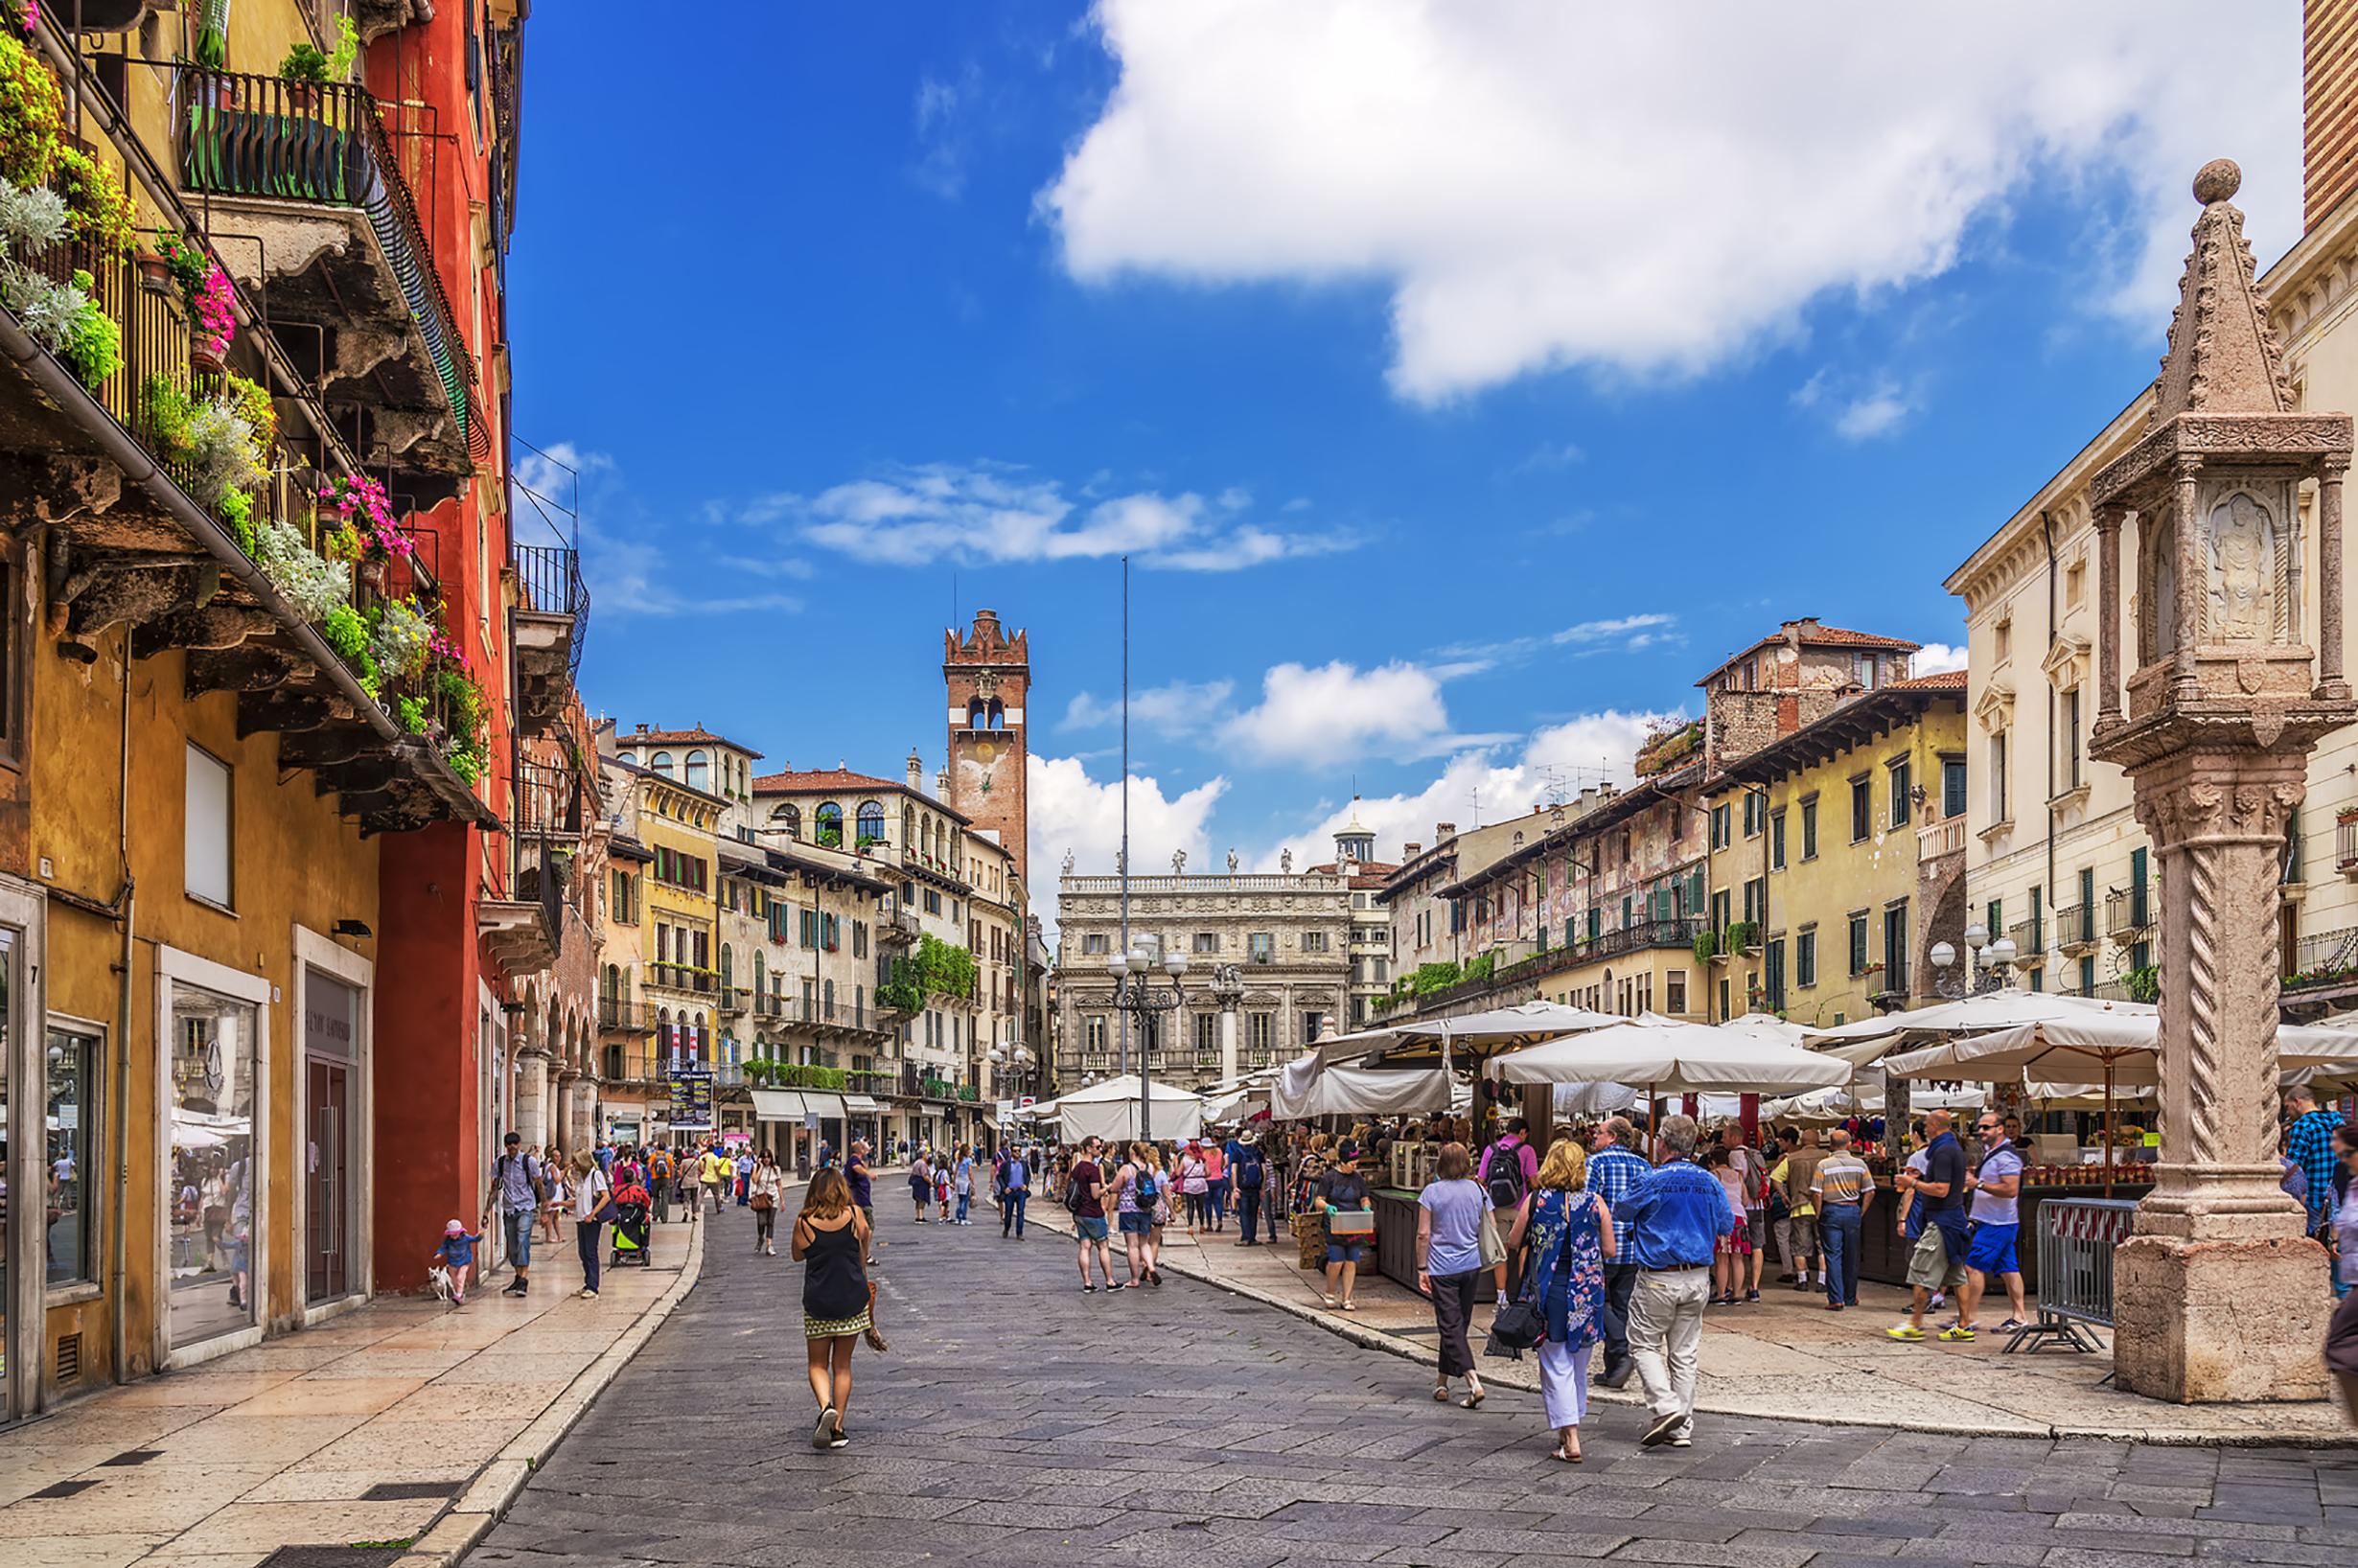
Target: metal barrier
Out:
[2077,1238]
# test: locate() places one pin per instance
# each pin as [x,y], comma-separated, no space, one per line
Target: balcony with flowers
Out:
[195,489]
[304,164]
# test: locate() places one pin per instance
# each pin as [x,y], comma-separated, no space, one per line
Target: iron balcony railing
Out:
[615,1013]
[548,578]
[2076,927]
[680,977]
[547,799]
[2127,912]
[2324,958]
[2030,940]
[733,999]
[247,135]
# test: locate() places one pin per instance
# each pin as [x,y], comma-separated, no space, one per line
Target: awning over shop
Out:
[778,1105]
[860,1105]
[824,1106]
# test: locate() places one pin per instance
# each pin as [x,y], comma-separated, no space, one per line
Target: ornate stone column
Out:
[2219,1295]
[2330,686]
[2108,613]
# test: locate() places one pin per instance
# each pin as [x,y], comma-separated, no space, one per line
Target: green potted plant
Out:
[305,71]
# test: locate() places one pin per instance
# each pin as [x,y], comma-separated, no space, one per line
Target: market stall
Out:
[1110,1109]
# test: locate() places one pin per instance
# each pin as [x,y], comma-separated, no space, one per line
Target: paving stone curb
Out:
[1375,1339]
[498,1484]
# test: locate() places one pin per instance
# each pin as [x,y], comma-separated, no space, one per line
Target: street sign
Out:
[691,1099]
[1025,1102]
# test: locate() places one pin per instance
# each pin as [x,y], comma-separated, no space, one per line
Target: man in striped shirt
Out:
[1613,1169]
[1842,1188]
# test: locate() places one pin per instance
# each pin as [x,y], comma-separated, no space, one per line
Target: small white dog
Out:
[441,1277]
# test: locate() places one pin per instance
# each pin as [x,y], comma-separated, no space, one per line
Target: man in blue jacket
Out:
[1675,1216]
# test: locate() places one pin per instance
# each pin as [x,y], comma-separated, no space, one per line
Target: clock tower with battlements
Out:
[988,674]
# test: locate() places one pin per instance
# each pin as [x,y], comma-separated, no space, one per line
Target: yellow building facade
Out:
[1845,840]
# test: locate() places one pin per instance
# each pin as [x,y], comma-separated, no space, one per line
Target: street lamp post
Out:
[1967,982]
[1137,994]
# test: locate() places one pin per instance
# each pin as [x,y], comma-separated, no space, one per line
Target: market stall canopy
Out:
[1768,1027]
[1470,1034]
[2097,1048]
[1308,1087]
[1865,1040]
[1676,1059]
[1822,1105]
[1597,1099]
[1109,1110]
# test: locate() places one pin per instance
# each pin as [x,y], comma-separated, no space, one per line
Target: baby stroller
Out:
[631,1207]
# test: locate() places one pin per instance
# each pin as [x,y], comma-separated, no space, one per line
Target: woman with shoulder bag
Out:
[1571,1236]
[768,1191]
[592,1199]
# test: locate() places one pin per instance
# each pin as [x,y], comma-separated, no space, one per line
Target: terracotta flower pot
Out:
[204,360]
[155,273]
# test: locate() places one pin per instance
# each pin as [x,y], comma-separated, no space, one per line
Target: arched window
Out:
[830,825]
[974,713]
[631,757]
[660,762]
[871,822]
[610,987]
[790,818]
[998,715]
[908,828]
[729,964]
[698,772]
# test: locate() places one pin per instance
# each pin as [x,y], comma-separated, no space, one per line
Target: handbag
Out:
[1517,1326]
[1494,1247]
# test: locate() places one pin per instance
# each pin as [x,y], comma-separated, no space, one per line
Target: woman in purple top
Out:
[1449,1215]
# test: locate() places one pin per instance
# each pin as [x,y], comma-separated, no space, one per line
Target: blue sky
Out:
[1465,382]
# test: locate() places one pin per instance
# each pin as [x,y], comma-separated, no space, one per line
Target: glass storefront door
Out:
[70,1155]
[209,1197]
[331,1045]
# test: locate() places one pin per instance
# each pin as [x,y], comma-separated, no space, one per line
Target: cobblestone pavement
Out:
[1018,1421]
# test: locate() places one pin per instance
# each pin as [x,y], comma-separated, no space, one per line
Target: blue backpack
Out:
[1145,1190]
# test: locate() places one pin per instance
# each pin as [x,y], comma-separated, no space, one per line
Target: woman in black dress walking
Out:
[831,1241]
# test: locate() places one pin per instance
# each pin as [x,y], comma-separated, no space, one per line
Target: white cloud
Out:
[1332,713]
[1545,185]
[1182,707]
[993,513]
[1873,413]
[1619,633]
[1071,812]
[1933,658]
[1558,761]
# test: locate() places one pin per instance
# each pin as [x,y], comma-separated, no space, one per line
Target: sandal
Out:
[1562,1458]
[1334,1300]
[1349,1308]
[1441,1394]
[1474,1399]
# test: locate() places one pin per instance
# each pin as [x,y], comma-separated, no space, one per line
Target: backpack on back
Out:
[1145,1188]
[1504,1182]
[1249,1170]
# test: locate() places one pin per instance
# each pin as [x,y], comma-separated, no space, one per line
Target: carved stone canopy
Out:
[2221,654]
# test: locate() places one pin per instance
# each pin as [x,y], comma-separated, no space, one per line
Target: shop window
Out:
[71,1156]
[211,1180]
[206,857]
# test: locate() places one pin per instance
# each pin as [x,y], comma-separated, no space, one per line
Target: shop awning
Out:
[778,1105]
[860,1105]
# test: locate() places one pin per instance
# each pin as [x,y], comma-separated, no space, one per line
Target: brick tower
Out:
[989,674]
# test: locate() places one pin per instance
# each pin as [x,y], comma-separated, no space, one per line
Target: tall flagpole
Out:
[1123,862]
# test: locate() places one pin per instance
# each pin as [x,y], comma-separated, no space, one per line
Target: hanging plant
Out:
[403,639]
[186,262]
[412,712]
[251,401]
[305,65]
[101,214]
[315,588]
[217,317]
[362,503]
[62,316]
[212,47]
[32,114]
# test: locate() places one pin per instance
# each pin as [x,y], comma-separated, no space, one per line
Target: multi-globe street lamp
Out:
[1136,994]
[1998,956]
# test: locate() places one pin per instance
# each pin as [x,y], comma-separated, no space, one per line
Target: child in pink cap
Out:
[456,1253]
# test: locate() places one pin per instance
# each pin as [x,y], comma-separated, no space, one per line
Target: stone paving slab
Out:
[1785,1356]
[1017,1422]
[281,1444]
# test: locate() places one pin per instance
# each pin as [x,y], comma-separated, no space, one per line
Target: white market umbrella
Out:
[1304,1090]
[1865,1040]
[1524,1023]
[1681,1058]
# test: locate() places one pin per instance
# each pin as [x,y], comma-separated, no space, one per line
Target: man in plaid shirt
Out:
[2309,1141]
[1613,1169]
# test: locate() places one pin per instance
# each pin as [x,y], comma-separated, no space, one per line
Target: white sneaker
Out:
[587,1295]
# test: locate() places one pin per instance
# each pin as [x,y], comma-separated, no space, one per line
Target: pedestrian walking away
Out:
[1675,1216]
[745,1178]
[961,1183]
[560,1191]
[519,1188]
[1449,1215]
[1137,1191]
[1570,1242]
[713,1170]
[768,1184]
[1216,1163]
[830,1240]
[1613,1172]
[1510,1168]
[1843,1190]
[1251,1173]
[659,1183]
[592,1191]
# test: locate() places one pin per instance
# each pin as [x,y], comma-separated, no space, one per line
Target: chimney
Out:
[1408,851]
[916,772]
[2329,108]
[1443,830]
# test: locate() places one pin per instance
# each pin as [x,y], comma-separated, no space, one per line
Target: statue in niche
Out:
[2243,570]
